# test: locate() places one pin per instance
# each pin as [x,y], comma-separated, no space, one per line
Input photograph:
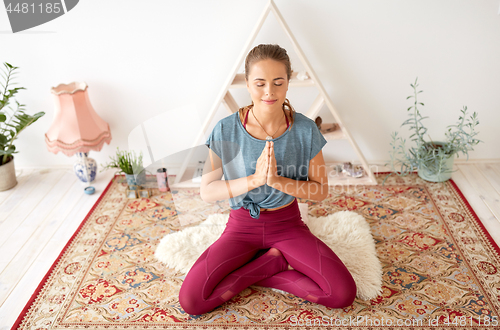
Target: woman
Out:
[265,241]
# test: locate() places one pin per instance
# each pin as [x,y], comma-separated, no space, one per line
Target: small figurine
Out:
[325,128]
[352,171]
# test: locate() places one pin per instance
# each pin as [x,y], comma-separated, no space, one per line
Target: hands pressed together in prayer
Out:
[266,170]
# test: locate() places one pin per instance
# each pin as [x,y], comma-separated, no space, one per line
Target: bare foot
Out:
[274,252]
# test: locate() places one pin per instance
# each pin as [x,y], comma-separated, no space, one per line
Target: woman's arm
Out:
[317,186]
[212,188]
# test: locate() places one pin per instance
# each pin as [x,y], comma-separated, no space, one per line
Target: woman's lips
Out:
[269,102]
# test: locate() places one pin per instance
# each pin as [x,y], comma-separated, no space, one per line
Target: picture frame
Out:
[144,193]
[131,193]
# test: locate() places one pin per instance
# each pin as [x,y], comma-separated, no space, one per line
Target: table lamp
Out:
[77,129]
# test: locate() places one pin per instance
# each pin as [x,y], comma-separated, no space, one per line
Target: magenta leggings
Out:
[241,257]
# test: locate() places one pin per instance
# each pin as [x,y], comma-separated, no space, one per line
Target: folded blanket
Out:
[346,233]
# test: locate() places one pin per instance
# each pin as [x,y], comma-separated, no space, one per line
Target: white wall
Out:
[142,59]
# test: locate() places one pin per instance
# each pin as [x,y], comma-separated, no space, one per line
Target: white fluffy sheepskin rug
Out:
[346,233]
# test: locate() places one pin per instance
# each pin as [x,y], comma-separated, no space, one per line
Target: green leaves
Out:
[429,155]
[12,122]
[127,161]
[459,138]
[23,120]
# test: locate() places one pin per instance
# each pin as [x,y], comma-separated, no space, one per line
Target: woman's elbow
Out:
[203,195]
[205,198]
[324,192]
[206,195]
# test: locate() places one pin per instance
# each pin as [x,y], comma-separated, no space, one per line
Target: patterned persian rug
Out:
[440,266]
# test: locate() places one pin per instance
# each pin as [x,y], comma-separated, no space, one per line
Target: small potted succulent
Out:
[432,159]
[12,122]
[130,164]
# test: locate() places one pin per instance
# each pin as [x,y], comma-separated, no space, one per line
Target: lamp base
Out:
[85,168]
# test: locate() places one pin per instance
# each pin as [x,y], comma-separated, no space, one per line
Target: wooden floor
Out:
[40,214]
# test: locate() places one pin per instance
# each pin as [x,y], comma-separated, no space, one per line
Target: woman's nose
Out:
[269,90]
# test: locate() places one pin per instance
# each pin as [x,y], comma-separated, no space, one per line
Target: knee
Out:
[349,298]
[347,295]
[189,302]
[186,302]
[342,296]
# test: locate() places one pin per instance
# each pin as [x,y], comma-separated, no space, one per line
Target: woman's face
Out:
[267,80]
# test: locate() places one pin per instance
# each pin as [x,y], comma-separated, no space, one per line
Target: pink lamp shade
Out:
[76,126]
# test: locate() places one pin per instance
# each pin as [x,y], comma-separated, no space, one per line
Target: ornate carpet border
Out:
[45,278]
[478,221]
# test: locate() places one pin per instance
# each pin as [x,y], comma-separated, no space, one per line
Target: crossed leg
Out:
[318,275]
[231,264]
[225,269]
[250,271]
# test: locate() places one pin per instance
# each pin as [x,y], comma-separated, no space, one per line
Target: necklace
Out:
[268,137]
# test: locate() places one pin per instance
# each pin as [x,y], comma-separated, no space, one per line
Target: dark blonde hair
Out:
[264,52]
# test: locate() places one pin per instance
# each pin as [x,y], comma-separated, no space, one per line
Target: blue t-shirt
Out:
[239,152]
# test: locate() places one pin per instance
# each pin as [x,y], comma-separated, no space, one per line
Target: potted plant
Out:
[12,122]
[130,164]
[432,159]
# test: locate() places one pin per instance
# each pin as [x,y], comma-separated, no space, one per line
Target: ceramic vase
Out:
[84,162]
[134,180]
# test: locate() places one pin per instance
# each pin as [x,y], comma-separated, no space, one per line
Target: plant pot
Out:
[134,180]
[7,175]
[435,177]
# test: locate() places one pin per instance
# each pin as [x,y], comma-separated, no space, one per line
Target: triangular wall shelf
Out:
[237,80]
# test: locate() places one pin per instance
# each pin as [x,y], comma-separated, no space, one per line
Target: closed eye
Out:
[274,84]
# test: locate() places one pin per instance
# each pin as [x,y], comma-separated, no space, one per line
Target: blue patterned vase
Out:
[134,180]
[79,167]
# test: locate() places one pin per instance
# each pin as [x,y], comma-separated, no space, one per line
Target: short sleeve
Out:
[318,141]
[214,140]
